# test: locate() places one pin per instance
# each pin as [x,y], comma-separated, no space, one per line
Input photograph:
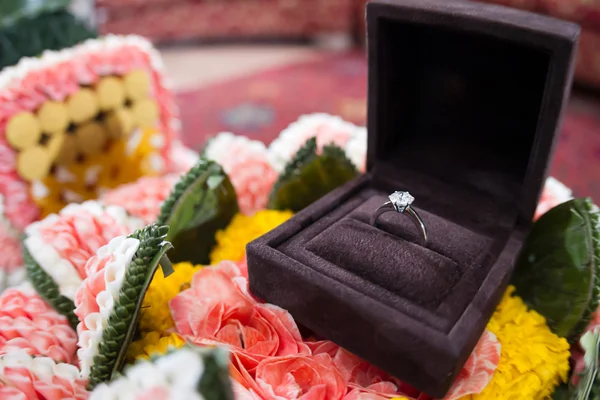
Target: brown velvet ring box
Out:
[464,105]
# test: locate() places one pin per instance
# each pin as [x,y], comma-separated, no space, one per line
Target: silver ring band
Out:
[400,202]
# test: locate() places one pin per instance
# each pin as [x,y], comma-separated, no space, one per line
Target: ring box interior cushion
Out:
[465,101]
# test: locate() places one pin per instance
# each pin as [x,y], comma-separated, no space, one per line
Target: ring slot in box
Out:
[404,268]
[447,238]
[464,105]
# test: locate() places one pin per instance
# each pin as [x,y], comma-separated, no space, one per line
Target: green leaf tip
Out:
[201,203]
[309,176]
[558,270]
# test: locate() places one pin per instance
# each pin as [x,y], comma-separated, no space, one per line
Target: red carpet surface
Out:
[261,105]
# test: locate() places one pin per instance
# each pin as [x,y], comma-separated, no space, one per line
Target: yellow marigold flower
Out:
[153,343]
[533,362]
[155,313]
[231,242]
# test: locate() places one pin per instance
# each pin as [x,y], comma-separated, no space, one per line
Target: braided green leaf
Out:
[558,270]
[48,289]
[202,203]
[308,176]
[123,321]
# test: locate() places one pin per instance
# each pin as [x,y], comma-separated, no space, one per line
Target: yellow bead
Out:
[53,116]
[23,130]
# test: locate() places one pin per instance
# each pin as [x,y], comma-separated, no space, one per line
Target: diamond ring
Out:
[400,202]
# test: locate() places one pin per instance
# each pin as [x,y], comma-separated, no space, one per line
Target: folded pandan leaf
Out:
[186,373]
[202,202]
[109,300]
[56,248]
[309,176]
[558,271]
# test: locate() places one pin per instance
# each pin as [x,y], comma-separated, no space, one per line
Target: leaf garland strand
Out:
[123,320]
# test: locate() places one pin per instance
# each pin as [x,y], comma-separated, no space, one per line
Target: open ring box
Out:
[464,105]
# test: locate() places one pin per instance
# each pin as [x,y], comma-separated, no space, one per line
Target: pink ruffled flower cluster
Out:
[327,129]
[11,256]
[142,198]
[55,76]
[28,323]
[246,163]
[25,378]
[78,232]
[270,359]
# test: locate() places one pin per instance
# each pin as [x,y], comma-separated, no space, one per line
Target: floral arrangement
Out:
[76,123]
[149,332]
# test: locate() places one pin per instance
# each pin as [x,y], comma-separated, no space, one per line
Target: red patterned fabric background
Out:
[261,105]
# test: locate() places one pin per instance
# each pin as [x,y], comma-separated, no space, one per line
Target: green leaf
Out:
[12,11]
[29,34]
[308,177]
[215,383]
[123,321]
[48,289]
[562,393]
[557,272]
[589,343]
[202,203]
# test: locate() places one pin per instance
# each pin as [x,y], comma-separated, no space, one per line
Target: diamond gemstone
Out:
[401,200]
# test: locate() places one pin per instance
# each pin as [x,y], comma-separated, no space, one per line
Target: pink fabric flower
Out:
[19,208]
[85,298]
[142,198]
[79,231]
[479,369]
[28,323]
[8,158]
[11,256]
[300,377]
[554,193]
[363,379]
[24,378]
[182,159]
[327,129]
[218,309]
[246,163]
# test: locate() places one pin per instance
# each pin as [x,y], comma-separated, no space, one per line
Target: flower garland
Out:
[29,324]
[62,243]
[517,357]
[25,377]
[97,295]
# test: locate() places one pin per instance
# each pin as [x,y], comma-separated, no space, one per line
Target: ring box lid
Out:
[469,94]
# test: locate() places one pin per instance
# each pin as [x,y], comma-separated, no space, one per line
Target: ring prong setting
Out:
[401,200]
